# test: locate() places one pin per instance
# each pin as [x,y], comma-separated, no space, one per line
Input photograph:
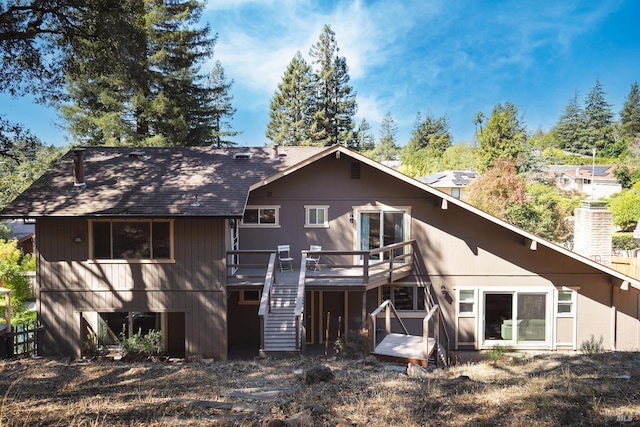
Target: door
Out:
[515,318]
[381,228]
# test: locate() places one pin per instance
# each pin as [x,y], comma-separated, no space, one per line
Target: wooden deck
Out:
[404,348]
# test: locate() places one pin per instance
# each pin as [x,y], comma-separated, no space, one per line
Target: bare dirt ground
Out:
[543,390]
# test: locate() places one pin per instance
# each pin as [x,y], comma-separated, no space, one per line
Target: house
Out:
[593,181]
[452,182]
[183,240]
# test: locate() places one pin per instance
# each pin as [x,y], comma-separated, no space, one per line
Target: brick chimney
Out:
[593,231]
[78,168]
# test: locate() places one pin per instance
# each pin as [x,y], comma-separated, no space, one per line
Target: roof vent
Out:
[355,170]
[136,154]
[242,155]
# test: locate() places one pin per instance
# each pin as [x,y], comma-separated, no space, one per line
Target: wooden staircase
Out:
[280,324]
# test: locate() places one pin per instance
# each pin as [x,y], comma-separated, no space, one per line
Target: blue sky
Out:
[434,56]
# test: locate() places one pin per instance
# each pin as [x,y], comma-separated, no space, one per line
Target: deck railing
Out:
[370,266]
[389,309]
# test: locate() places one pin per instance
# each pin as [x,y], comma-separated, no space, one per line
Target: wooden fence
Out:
[627,265]
[22,341]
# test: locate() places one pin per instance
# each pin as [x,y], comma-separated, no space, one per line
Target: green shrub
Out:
[496,352]
[624,242]
[144,345]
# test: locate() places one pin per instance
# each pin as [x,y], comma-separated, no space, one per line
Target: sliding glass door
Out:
[513,318]
[381,228]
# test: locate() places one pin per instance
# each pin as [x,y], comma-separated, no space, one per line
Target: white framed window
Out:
[131,240]
[466,301]
[405,298]
[565,302]
[261,216]
[316,216]
[455,192]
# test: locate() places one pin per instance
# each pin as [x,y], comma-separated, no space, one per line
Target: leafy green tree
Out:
[290,113]
[543,213]
[598,124]
[625,207]
[459,157]
[223,110]
[334,103]
[630,115]
[12,274]
[504,136]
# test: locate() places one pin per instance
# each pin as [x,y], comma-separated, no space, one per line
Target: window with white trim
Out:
[316,216]
[116,239]
[565,302]
[466,301]
[261,216]
[405,298]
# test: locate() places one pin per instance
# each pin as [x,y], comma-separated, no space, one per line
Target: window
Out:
[316,216]
[261,216]
[466,301]
[250,297]
[131,239]
[405,298]
[565,302]
[455,192]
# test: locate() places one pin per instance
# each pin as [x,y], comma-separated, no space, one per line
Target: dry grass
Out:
[542,390]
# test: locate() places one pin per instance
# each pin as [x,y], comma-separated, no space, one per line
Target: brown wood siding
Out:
[193,284]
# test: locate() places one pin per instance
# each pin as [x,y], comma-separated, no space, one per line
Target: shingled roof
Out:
[194,181]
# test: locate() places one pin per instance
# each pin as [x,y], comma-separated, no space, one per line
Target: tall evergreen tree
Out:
[598,124]
[570,125]
[630,115]
[365,140]
[430,133]
[386,149]
[154,94]
[334,103]
[290,114]
[504,136]
[223,110]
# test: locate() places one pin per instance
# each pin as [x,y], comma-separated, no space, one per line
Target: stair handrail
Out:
[265,301]
[441,320]
[301,335]
[386,305]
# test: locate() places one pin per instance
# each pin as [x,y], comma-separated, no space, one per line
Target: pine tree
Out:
[153,94]
[223,110]
[430,133]
[630,115]
[334,103]
[289,110]
[365,141]
[598,124]
[570,125]
[503,137]
[386,149]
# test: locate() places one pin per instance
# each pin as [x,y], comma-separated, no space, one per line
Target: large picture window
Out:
[131,240]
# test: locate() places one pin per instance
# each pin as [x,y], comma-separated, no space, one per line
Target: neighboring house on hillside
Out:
[593,181]
[451,182]
[183,240]
[22,231]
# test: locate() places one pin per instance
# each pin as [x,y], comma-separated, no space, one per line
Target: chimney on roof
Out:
[593,231]
[78,168]
[275,154]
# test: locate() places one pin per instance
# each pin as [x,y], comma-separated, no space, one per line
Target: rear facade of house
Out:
[108,272]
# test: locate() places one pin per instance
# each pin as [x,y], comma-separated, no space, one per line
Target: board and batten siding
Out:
[68,284]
